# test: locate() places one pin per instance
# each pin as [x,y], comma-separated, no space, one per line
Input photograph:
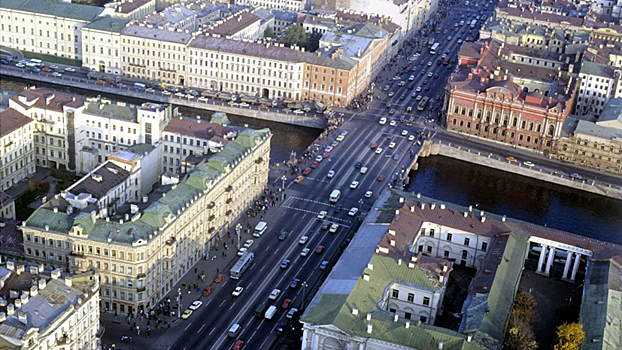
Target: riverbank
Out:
[306,120]
[430,148]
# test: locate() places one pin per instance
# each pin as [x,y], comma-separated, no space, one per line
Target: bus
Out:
[434,48]
[430,42]
[423,104]
[36,62]
[243,263]
[140,86]
[260,229]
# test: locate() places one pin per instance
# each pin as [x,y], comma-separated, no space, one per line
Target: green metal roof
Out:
[54,8]
[112,110]
[108,24]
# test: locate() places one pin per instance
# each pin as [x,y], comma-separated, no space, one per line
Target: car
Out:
[208,290]
[373,145]
[70,69]
[195,305]
[314,164]
[354,185]
[299,179]
[237,291]
[242,251]
[292,312]
[305,252]
[411,86]
[239,345]
[378,150]
[396,156]
[529,164]
[182,95]
[387,87]
[319,249]
[307,171]
[353,211]
[392,111]
[392,145]
[274,294]
[45,69]
[334,144]
[511,159]
[325,225]
[280,328]
[364,170]
[166,93]
[576,176]
[412,77]
[286,303]
[430,75]
[459,42]
[430,64]
[20,65]
[425,82]
[321,215]
[150,90]
[404,132]
[263,107]
[340,138]
[283,235]
[100,82]
[414,95]
[423,72]
[411,138]
[368,194]
[393,123]
[285,264]
[403,97]
[303,239]
[325,154]
[418,89]
[381,178]
[186,314]
[298,112]
[219,278]
[57,74]
[331,174]
[328,149]
[333,228]
[358,164]
[319,158]
[248,243]
[244,104]
[391,94]
[449,67]
[343,133]
[338,208]
[401,83]
[422,62]
[294,283]
[53,66]
[323,265]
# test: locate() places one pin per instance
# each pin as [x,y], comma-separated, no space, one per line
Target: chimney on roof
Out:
[355,311]
[369,316]
[370,327]
[10,309]
[23,317]
[407,324]
[395,317]
[422,205]
[41,283]
[55,273]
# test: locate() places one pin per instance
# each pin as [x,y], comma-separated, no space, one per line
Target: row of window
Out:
[449,236]
[525,124]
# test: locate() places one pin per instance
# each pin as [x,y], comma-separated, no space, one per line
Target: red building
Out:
[493,95]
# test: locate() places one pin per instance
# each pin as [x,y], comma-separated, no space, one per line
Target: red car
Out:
[314,165]
[425,82]
[219,278]
[262,107]
[307,171]
[456,30]
[381,178]
[325,155]
[319,249]
[373,145]
[238,345]
[421,62]
[286,303]
[449,67]
[463,31]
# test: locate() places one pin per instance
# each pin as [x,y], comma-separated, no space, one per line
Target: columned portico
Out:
[577,260]
[567,265]
[541,260]
[548,252]
[549,262]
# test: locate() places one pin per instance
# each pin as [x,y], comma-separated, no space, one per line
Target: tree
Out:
[313,41]
[268,33]
[294,35]
[520,333]
[570,336]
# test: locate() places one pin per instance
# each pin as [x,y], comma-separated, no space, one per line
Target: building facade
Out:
[101,44]
[142,254]
[7,206]
[17,155]
[46,27]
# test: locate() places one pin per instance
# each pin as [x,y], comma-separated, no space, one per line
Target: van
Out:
[260,310]
[382,121]
[235,330]
[270,313]
[260,229]
[363,170]
[334,196]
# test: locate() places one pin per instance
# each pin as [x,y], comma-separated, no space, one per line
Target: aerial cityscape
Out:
[313,175]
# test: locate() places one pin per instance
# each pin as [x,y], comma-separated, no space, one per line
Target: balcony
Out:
[74,253]
[63,341]
[211,230]
[229,212]
[141,289]
[211,205]
[171,241]
[141,275]
[259,160]
[229,188]
[229,200]
[211,218]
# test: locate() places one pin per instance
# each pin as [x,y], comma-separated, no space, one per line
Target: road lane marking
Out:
[222,303]
[188,326]
[200,329]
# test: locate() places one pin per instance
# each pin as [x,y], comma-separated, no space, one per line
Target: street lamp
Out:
[283,178]
[360,203]
[304,287]
[238,228]
[178,302]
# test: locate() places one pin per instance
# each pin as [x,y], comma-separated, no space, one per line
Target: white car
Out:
[291,313]
[418,89]
[69,69]
[378,150]
[202,99]
[392,145]
[393,123]
[233,104]
[166,93]
[305,252]
[20,65]
[391,94]
[180,94]
[319,158]
[353,211]
[244,104]
[404,132]
[368,194]
[529,164]
[303,240]
[364,170]
[298,112]
[328,149]
[242,251]
[382,121]
[330,174]
[411,138]
[274,294]
[150,90]
[57,74]
[195,305]
[321,216]
[354,185]
[412,77]
[237,291]
[248,243]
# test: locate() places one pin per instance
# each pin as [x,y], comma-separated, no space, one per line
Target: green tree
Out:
[520,333]
[570,336]
[268,33]
[313,41]
[294,35]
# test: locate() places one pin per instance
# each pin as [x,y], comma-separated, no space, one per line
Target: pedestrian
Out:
[195,270]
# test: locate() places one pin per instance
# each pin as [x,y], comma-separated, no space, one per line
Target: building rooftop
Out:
[200,128]
[101,180]
[173,14]
[108,24]
[47,99]
[528,14]
[54,8]
[11,238]
[597,69]
[111,109]
[234,24]
[11,120]
[141,30]
[127,6]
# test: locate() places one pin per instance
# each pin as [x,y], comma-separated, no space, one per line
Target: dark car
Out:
[410,86]
[396,156]
[338,208]
[280,328]
[285,264]
[436,76]
[358,164]
[294,283]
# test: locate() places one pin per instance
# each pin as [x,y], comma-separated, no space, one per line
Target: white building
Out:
[132,9]
[101,44]
[58,312]
[17,160]
[598,83]
[54,114]
[287,5]
[50,27]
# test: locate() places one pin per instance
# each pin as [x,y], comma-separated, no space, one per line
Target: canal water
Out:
[286,138]
[519,197]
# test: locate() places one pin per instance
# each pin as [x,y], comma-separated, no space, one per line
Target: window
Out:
[467,241]
[431,232]
[407,315]
[429,249]
[423,319]
[426,301]
[484,246]
[449,236]
[411,297]
[395,293]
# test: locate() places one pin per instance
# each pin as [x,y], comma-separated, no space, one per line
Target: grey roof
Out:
[111,176]
[54,8]
[140,31]
[286,16]
[597,69]
[108,24]
[612,112]
[112,110]
[141,148]
[593,129]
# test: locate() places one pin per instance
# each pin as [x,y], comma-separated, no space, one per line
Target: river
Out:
[519,197]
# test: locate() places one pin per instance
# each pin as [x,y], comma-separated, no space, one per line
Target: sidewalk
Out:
[166,329]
